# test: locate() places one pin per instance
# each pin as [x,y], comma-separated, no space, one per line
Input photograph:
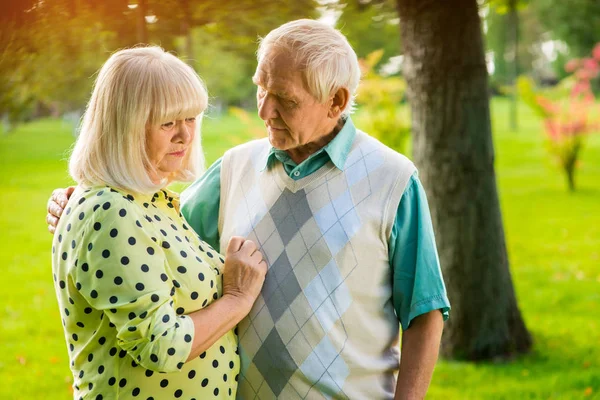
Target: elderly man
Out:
[344,224]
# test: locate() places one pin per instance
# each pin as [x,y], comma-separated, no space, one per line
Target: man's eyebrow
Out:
[285,95]
[279,92]
[283,92]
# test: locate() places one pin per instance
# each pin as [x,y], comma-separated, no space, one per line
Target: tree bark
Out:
[445,69]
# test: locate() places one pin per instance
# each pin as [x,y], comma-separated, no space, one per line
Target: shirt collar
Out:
[337,149]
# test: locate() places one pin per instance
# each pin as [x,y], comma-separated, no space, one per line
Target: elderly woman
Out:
[147,307]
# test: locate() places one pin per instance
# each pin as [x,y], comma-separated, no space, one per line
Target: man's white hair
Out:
[321,52]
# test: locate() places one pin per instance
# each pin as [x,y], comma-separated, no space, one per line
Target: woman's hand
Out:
[244,272]
[243,277]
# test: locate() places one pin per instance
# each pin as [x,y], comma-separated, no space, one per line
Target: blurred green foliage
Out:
[50,51]
[379,101]
[370,26]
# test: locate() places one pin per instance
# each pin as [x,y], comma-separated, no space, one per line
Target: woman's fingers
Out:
[234,245]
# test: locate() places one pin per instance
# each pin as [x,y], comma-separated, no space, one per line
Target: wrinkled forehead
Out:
[279,71]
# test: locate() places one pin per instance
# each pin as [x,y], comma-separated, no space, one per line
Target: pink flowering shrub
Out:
[569,118]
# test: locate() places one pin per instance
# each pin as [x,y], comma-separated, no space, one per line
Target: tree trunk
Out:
[571,178]
[570,163]
[446,73]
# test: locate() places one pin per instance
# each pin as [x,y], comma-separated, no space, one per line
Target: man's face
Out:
[293,117]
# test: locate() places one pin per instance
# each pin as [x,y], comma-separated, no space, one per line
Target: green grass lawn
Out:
[553,240]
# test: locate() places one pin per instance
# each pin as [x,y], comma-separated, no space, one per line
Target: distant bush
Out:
[569,111]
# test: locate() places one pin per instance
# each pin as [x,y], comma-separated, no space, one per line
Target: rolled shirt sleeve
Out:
[200,204]
[121,271]
[417,286]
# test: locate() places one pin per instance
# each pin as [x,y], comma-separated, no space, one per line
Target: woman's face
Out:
[167,145]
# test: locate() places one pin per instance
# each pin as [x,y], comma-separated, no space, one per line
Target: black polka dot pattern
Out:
[127,263]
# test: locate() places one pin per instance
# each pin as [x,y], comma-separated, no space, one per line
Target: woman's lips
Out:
[178,153]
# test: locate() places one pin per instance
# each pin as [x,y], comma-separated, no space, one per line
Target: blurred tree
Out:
[496,39]
[66,52]
[50,56]
[115,16]
[514,37]
[51,50]
[370,25]
[575,22]
[219,37]
[237,22]
[17,12]
[231,85]
[15,101]
[513,33]
[447,79]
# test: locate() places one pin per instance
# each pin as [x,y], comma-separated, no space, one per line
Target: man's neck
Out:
[301,153]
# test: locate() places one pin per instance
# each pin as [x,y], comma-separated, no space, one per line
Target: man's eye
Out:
[288,103]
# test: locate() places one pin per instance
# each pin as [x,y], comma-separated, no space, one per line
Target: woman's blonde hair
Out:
[134,88]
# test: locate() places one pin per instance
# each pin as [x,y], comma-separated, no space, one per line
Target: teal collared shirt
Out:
[335,151]
[417,283]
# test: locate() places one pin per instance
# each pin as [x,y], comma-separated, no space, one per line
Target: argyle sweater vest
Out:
[324,325]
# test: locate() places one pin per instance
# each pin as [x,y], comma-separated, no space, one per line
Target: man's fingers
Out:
[57,209]
[55,195]
[51,220]
[69,191]
[234,245]
[59,196]
[54,209]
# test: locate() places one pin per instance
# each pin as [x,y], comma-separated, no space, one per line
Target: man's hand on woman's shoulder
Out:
[56,205]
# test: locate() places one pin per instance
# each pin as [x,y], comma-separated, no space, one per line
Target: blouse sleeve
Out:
[121,271]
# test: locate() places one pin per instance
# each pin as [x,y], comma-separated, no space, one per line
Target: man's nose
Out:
[267,108]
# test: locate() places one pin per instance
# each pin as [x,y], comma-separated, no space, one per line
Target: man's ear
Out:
[339,102]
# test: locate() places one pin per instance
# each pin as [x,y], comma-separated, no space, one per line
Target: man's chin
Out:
[278,144]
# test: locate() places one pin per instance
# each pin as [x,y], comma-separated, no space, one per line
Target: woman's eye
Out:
[168,125]
[192,119]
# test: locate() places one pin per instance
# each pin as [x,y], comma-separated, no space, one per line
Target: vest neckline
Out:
[293,186]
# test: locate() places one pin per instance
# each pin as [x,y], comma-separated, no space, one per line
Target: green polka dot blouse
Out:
[127,270]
